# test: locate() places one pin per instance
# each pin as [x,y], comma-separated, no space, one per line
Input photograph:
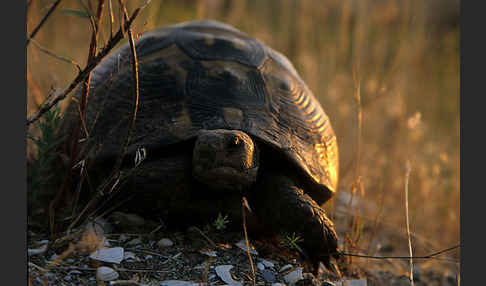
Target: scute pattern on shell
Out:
[208,75]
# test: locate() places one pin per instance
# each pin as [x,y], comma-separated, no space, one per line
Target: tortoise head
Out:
[225,159]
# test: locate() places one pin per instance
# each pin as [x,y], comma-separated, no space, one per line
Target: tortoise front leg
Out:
[285,207]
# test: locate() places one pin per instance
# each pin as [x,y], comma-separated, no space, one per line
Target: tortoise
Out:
[220,116]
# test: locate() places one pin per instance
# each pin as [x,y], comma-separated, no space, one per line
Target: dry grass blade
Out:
[137,88]
[41,23]
[428,256]
[407,176]
[112,18]
[115,178]
[50,53]
[80,123]
[244,205]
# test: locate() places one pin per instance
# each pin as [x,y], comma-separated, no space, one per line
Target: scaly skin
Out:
[285,207]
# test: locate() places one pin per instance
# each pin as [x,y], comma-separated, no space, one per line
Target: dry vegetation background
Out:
[399,58]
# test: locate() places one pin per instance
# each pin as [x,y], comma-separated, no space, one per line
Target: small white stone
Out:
[223,271]
[242,245]
[260,266]
[130,256]
[285,268]
[165,242]
[278,284]
[293,276]
[135,241]
[210,253]
[268,263]
[36,251]
[106,273]
[110,255]
[178,283]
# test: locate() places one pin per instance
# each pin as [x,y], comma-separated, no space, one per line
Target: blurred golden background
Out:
[395,62]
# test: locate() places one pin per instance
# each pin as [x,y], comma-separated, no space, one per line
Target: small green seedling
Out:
[291,241]
[221,222]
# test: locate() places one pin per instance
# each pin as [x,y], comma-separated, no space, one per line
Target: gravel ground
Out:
[192,257]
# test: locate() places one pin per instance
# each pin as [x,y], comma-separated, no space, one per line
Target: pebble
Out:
[210,253]
[285,268]
[36,251]
[178,283]
[293,276]
[328,283]
[223,271]
[130,256]
[165,242]
[242,245]
[135,241]
[269,276]
[268,263]
[110,255]
[104,273]
[260,266]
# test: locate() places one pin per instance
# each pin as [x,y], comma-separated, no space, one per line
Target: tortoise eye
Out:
[234,142]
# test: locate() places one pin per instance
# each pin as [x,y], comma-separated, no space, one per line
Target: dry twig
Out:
[41,23]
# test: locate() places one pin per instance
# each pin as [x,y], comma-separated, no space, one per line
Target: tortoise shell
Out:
[208,75]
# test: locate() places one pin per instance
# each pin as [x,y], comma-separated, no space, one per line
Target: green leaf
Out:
[78,13]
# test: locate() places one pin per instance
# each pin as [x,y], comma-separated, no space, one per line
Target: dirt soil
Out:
[192,256]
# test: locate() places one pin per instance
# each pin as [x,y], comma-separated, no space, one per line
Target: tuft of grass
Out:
[221,222]
[41,163]
[291,241]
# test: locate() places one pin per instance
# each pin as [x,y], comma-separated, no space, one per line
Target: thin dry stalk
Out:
[351,219]
[376,220]
[116,178]
[41,23]
[407,176]
[137,87]
[112,18]
[428,256]
[82,106]
[244,205]
[52,54]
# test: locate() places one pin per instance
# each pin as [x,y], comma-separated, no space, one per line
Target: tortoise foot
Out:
[286,208]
